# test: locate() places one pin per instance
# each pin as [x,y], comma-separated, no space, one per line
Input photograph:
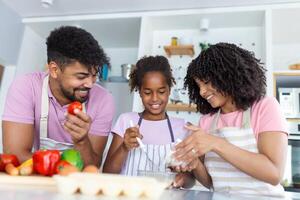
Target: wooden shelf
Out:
[180,50]
[295,66]
[181,107]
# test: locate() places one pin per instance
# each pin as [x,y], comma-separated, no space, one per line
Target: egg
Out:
[68,170]
[91,169]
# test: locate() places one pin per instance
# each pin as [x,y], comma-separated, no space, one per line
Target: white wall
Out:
[10,41]
[285,55]
[10,35]
[8,76]
[33,54]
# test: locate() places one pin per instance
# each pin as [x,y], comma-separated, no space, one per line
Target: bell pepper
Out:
[73,157]
[45,161]
[6,159]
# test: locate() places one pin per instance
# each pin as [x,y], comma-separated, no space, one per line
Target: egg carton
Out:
[110,185]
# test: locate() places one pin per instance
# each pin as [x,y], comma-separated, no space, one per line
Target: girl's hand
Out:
[130,141]
[195,145]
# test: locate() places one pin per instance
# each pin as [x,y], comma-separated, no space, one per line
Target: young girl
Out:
[153,79]
[242,134]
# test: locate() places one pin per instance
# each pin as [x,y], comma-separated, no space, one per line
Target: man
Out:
[35,113]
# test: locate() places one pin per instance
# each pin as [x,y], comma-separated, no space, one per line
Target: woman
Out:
[242,136]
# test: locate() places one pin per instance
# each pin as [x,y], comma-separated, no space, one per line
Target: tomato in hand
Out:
[73,106]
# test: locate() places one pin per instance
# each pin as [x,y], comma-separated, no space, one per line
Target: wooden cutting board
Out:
[33,180]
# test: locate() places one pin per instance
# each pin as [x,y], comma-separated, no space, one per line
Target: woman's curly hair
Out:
[68,44]
[231,70]
[150,64]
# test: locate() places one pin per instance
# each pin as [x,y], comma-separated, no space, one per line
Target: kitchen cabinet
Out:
[118,36]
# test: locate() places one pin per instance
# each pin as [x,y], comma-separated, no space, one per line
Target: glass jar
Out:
[174,41]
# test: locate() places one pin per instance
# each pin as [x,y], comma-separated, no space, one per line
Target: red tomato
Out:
[61,165]
[6,159]
[73,106]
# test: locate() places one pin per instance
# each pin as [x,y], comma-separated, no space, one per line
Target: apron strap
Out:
[44,109]
[170,128]
[246,123]
[214,124]
[140,119]
[246,120]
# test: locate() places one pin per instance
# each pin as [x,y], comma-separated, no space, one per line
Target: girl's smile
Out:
[154,93]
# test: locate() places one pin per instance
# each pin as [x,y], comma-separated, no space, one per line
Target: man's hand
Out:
[78,125]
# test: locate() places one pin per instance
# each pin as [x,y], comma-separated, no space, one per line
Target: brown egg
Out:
[91,169]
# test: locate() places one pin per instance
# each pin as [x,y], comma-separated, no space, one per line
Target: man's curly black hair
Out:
[68,44]
[150,64]
[231,70]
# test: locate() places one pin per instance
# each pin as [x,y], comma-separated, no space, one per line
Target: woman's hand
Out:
[195,145]
[186,168]
[130,141]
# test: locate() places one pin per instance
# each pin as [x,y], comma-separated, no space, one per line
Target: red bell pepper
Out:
[6,159]
[45,161]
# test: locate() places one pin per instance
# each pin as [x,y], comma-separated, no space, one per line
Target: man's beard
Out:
[71,95]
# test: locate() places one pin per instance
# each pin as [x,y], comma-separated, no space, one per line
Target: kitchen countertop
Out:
[12,192]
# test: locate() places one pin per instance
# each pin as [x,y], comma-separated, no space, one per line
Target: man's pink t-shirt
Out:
[266,115]
[23,105]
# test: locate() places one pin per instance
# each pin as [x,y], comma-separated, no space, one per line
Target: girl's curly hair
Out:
[233,71]
[68,44]
[150,64]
